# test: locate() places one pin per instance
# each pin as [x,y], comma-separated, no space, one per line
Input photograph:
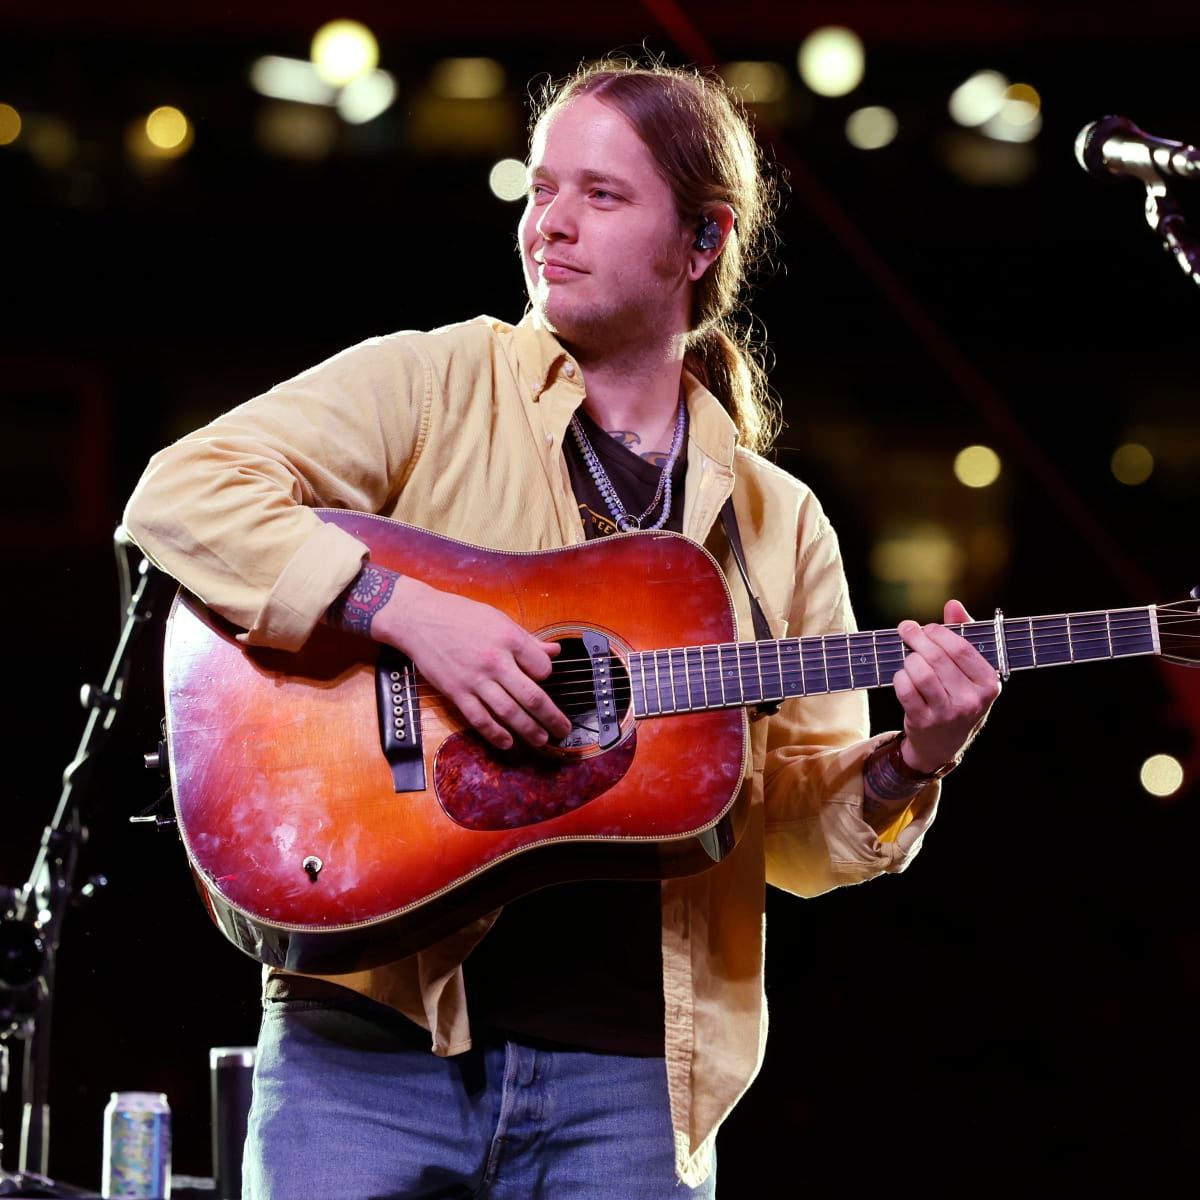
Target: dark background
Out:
[1017,1011]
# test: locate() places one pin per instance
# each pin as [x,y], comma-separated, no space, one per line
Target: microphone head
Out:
[1089,143]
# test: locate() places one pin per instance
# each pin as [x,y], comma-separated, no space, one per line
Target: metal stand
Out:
[31,916]
[1165,217]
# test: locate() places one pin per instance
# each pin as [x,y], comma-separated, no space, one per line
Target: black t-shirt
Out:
[580,964]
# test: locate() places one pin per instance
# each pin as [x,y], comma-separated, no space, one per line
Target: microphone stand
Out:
[1165,217]
[31,916]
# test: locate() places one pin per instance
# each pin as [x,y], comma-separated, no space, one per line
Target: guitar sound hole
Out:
[573,687]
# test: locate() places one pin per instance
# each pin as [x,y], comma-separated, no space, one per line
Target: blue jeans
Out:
[350,1104]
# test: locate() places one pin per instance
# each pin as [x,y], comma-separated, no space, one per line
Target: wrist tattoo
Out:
[355,608]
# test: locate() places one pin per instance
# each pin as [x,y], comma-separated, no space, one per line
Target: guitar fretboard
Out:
[736,674]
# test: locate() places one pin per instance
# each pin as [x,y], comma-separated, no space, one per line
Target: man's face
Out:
[606,256]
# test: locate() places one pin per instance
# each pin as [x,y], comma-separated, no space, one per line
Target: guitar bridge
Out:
[400,719]
[599,652]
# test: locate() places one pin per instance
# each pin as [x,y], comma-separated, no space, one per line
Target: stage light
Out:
[831,60]
[509,179]
[10,124]
[1161,775]
[467,78]
[365,98]
[756,82]
[979,98]
[167,129]
[304,132]
[343,51]
[290,79]
[977,466]
[871,128]
[156,139]
[1132,464]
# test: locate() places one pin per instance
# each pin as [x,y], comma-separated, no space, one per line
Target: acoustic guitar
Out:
[337,813]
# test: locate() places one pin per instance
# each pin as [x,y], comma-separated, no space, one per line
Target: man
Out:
[588,1040]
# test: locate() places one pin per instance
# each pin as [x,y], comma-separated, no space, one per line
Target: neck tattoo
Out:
[625,521]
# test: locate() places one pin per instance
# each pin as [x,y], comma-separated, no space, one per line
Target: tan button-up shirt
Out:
[460,431]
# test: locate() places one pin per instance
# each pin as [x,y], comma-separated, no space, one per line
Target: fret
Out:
[731,683]
[1050,640]
[659,693]
[709,701]
[1108,630]
[1089,636]
[1133,632]
[812,659]
[650,683]
[875,653]
[982,635]
[791,667]
[770,677]
[837,662]
[864,666]
[1018,640]
[637,667]
[693,673]
[681,701]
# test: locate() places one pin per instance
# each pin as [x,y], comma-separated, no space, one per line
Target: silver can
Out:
[137,1146]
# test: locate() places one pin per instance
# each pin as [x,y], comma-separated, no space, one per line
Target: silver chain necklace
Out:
[626,522]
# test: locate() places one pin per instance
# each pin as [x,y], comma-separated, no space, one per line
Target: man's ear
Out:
[712,231]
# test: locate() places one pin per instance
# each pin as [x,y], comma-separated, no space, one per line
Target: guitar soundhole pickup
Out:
[590,685]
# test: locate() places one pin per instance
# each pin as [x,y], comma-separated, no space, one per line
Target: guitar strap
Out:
[762,630]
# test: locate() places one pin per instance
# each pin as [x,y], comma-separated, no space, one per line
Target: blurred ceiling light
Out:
[156,139]
[167,129]
[1017,121]
[365,98]
[756,82]
[10,124]
[871,128]
[509,179]
[467,78]
[343,50]
[1161,775]
[831,60]
[290,79]
[1132,464]
[1021,104]
[304,132]
[979,98]
[977,466]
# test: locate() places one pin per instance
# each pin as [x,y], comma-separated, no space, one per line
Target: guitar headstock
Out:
[1179,630]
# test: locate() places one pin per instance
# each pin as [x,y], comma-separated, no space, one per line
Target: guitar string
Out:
[815,649]
[819,646]
[838,678]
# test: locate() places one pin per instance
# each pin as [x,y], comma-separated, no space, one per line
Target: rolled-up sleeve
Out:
[816,836]
[227,510]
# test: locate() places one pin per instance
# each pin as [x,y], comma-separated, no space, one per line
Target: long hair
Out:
[697,132]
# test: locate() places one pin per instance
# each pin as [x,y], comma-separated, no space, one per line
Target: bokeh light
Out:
[467,78]
[509,179]
[756,82]
[1132,464]
[343,50]
[977,466]
[10,124]
[979,98]
[831,60]
[1161,775]
[167,128]
[871,128]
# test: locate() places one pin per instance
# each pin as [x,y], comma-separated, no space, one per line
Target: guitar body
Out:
[314,851]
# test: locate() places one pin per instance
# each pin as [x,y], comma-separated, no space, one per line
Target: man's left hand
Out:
[946,688]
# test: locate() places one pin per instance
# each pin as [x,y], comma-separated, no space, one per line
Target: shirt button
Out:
[549,439]
[569,370]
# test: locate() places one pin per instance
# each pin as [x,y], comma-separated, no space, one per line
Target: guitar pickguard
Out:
[482,788]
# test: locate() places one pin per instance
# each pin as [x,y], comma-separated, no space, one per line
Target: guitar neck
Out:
[738,674]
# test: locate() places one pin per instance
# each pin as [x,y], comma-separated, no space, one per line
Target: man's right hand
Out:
[480,660]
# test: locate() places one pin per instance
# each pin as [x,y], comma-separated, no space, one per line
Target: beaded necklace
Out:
[626,521]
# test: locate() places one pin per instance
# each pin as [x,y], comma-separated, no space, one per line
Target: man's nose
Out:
[558,219]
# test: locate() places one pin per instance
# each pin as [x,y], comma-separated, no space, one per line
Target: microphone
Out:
[1116,146]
